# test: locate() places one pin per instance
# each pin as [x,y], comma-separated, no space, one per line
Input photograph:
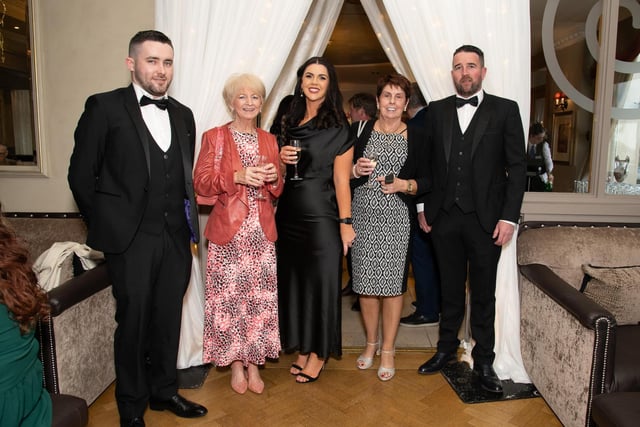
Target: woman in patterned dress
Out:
[381,218]
[241,301]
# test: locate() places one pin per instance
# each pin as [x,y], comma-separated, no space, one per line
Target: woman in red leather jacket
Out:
[236,172]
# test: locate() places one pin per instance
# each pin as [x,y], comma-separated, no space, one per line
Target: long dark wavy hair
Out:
[331,112]
[19,289]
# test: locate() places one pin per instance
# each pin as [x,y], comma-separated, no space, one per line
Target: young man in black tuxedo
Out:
[477,166]
[130,174]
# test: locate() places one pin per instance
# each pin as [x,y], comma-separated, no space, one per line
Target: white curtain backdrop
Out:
[212,40]
[429,32]
[383,29]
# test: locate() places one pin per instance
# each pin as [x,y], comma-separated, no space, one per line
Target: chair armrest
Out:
[583,308]
[78,289]
[567,343]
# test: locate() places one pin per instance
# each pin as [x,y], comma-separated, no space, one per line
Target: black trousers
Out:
[149,281]
[462,245]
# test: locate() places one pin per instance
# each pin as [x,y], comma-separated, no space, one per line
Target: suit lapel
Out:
[133,108]
[482,116]
[450,120]
[178,127]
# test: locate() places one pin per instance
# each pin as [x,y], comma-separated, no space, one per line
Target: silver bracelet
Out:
[355,174]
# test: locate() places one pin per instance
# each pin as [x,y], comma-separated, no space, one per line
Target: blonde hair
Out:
[236,82]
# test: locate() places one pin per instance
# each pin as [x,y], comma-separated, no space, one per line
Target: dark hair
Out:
[394,80]
[471,49]
[147,35]
[536,129]
[330,113]
[416,99]
[366,101]
[19,289]
[278,120]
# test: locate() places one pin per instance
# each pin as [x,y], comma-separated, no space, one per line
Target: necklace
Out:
[383,130]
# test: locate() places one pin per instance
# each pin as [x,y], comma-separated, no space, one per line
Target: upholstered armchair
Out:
[573,347]
[76,344]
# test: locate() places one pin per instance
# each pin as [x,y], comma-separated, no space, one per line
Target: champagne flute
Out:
[261,163]
[373,157]
[295,143]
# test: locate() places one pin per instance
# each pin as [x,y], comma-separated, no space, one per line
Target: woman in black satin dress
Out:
[314,221]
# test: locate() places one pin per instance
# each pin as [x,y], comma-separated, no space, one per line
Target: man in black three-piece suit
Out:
[478,168]
[130,174]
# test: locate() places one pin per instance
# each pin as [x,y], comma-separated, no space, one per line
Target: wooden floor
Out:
[343,396]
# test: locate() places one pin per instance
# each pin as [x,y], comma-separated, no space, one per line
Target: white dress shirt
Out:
[466,112]
[156,119]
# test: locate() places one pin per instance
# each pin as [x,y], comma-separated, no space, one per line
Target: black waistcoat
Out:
[459,173]
[166,188]
[536,163]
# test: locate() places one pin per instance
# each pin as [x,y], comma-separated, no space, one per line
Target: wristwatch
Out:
[410,187]
[346,220]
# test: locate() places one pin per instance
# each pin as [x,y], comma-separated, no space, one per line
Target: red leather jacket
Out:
[213,183]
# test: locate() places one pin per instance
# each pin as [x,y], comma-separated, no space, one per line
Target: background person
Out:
[362,107]
[130,174]
[382,219]
[241,301]
[23,399]
[477,167]
[423,263]
[4,153]
[539,162]
[314,221]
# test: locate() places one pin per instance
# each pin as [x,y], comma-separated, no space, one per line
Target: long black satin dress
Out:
[309,248]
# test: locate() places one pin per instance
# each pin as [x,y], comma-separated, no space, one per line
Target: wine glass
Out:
[261,161]
[295,143]
[373,157]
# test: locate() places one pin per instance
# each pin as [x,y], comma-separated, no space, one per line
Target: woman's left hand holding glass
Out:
[270,173]
[252,176]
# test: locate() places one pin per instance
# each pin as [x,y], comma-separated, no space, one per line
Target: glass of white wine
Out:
[373,157]
[261,162]
[295,143]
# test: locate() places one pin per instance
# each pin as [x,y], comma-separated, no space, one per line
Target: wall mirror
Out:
[21,151]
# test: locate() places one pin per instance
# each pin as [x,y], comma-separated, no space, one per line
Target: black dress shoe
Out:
[488,378]
[436,363]
[132,422]
[416,320]
[179,406]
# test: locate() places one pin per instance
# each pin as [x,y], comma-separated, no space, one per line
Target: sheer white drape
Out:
[429,32]
[212,40]
[381,24]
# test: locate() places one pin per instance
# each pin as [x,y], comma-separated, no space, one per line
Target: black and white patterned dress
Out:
[382,224]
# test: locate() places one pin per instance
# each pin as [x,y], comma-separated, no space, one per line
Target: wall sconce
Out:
[561,101]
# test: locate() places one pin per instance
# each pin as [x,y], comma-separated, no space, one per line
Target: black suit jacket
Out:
[109,168]
[498,161]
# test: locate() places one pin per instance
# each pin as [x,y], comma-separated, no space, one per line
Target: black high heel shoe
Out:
[298,367]
[309,378]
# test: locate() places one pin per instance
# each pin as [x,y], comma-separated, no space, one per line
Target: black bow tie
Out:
[160,103]
[460,102]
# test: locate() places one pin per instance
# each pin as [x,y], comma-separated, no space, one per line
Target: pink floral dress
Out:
[241,301]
